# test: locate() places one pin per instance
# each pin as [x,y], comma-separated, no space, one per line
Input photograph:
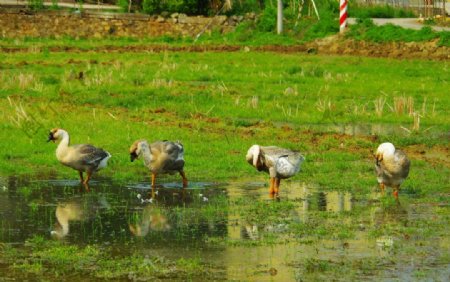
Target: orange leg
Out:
[81,177]
[86,181]
[88,177]
[277,186]
[272,186]
[153,180]
[153,193]
[185,181]
[396,188]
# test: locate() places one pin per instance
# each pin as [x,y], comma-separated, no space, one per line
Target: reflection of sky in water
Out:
[175,224]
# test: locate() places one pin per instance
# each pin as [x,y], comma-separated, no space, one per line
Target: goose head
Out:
[137,148]
[56,134]
[385,150]
[253,155]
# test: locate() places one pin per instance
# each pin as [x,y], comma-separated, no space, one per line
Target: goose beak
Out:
[133,156]
[50,137]
[378,159]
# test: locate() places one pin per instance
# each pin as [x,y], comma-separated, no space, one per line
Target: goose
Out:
[161,157]
[391,166]
[82,157]
[280,163]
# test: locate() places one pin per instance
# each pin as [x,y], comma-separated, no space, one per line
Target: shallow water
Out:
[190,223]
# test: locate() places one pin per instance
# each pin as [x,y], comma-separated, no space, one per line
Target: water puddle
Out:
[229,225]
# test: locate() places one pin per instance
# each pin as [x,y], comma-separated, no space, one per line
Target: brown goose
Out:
[392,167]
[161,157]
[278,162]
[83,157]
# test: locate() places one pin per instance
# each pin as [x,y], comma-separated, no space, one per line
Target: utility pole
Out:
[279,17]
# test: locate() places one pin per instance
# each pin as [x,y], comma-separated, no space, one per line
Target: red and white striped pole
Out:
[343,15]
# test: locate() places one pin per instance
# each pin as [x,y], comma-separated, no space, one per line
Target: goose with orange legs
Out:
[280,163]
[391,166]
[83,157]
[160,157]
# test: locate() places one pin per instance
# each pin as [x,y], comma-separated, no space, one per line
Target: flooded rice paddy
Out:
[234,229]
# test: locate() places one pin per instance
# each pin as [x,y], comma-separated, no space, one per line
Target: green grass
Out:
[217,104]
[366,30]
[379,11]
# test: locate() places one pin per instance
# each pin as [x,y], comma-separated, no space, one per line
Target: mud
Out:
[333,45]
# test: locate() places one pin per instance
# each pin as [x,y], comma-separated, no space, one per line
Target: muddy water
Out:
[189,223]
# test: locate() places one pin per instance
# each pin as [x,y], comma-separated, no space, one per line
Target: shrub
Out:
[242,7]
[36,4]
[150,6]
[123,4]
[268,20]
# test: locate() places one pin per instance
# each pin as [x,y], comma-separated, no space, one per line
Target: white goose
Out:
[392,167]
[278,162]
[83,157]
[161,157]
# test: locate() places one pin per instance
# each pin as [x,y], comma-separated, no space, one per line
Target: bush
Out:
[190,7]
[123,4]
[242,7]
[36,4]
[151,6]
[268,20]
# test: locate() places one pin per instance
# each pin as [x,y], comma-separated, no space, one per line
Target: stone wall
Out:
[21,23]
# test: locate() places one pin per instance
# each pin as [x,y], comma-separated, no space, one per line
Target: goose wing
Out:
[402,163]
[393,170]
[280,161]
[169,156]
[175,155]
[90,155]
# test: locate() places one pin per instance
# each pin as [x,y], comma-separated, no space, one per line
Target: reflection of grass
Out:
[266,213]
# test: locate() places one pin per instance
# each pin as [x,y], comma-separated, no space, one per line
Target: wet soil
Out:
[333,45]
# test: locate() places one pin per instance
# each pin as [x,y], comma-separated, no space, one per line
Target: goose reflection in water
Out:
[152,218]
[76,209]
[66,212]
